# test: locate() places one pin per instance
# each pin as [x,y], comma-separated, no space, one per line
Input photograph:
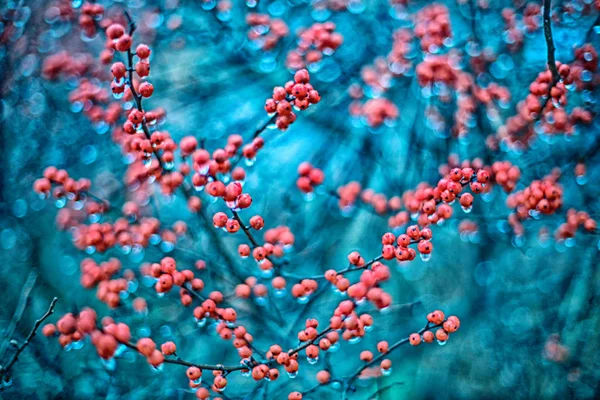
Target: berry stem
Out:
[136,96]
[384,354]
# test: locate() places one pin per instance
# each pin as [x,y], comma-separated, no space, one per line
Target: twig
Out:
[383,355]
[210,367]
[4,370]
[23,298]
[136,96]
[550,42]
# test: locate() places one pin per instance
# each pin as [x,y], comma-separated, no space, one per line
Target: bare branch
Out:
[4,370]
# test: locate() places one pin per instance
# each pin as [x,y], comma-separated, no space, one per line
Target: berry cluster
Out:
[73,329]
[265,32]
[65,187]
[432,27]
[63,64]
[506,175]
[298,93]
[513,35]
[309,177]
[432,204]
[90,14]
[378,111]
[437,318]
[400,249]
[543,196]
[350,193]
[436,69]
[167,276]
[313,43]
[575,219]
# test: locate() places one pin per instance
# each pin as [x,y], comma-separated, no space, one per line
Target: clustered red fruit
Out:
[124,232]
[65,64]
[124,84]
[90,13]
[472,96]
[437,318]
[544,196]
[547,102]
[379,110]
[436,69]
[298,93]
[575,219]
[351,192]
[586,59]
[432,27]
[206,166]
[309,177]
[276,240]
[64,185]
[313,43]
[506,175]
[167,276]
[400,249]
[378,77]
[265,31]
[109,290]
[432,204]
[513,35]
[75,327]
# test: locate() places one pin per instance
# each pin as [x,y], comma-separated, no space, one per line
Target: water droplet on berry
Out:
[354,340]
[312,360]
[109,364]
[292,375]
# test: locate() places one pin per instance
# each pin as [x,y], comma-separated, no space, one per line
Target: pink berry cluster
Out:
[64,186]
[167,276]
[313,43]
[309,177]
[432,27]
[432,204]
[90,14]
[352,192]
[543,196]
[266,32]
[575,220]
[298,94]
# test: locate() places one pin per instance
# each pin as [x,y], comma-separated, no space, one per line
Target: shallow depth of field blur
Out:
[528,304]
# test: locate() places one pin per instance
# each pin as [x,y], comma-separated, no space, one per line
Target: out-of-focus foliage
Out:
[515,295]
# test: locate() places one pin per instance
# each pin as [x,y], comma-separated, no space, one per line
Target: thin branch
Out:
[385,354]
[23,298]
[136,96]
[4,370]
[210,367]
[550,42]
